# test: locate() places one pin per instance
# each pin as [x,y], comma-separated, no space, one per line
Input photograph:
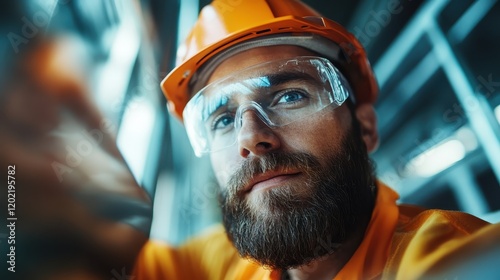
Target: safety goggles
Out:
[279,92]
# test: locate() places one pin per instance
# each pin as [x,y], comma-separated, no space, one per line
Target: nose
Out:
[256,137]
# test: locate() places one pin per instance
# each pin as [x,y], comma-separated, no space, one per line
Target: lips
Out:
[269,179]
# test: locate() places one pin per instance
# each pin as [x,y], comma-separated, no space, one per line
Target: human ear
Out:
[365,113]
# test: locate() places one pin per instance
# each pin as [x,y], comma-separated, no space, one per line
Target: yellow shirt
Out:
[401,242]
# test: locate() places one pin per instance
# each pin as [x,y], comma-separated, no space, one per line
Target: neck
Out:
[328,266]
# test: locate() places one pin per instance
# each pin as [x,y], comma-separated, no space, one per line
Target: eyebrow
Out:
[214,106]
[285,77]
[257,82]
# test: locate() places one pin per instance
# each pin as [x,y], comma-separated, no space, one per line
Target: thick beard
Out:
[291,226]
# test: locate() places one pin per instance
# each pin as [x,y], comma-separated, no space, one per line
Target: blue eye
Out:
[223,122]
[291,96]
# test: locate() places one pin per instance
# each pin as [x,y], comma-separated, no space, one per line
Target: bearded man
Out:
[281,100]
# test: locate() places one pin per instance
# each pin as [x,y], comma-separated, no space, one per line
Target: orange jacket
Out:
[401,242]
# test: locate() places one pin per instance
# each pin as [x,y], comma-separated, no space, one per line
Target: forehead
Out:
[256,56]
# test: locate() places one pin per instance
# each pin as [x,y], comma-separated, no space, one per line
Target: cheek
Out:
[317,135]
[223,162]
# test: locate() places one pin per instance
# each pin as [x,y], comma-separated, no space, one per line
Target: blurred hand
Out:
[75,196]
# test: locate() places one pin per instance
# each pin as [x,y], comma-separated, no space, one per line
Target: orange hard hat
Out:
[226,27]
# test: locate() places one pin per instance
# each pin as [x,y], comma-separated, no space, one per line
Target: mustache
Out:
[269,162]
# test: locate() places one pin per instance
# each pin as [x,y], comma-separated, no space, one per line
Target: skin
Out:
[318,137]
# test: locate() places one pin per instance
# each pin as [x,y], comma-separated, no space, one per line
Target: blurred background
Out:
[436,63]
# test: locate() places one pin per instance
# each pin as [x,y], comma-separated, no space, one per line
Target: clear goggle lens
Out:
[279,92]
